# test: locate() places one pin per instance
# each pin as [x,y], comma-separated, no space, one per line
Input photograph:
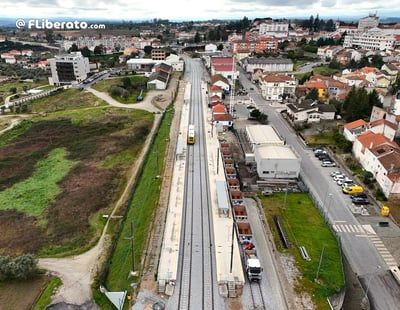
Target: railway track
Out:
[196,274]
[257,297]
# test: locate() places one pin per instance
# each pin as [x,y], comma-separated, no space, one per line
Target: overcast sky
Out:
[196,9]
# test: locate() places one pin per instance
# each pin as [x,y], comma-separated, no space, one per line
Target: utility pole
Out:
[286,191]
[319,265]
[233,235]
[131,237]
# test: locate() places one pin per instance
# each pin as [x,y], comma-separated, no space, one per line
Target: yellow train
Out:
[191,135]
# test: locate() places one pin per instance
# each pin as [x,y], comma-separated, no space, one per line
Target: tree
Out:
[127,82]
[73,48]
[13,90]
[377,61]
[312,94]
[25,266]
[373,99]
[359,104]
[85,51]
[147,49]
[21,267]
[98,49]
[197,38]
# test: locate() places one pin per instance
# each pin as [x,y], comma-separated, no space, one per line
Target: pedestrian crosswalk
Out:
[349,228]
[368,232]
[383,251]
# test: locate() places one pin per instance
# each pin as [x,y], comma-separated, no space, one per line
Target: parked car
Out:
[338,177]
[332,174]
[344,180]
[359,195]
[360,201]
[347,184]
[324,157]
[327,163]
[318,150]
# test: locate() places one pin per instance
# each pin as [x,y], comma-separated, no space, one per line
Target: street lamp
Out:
[365,299]
[330,195]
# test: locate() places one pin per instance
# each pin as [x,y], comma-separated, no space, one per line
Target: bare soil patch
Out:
[24,292]
[88,187]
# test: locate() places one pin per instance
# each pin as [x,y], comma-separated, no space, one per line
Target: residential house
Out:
[215,92]
[384,127]
[160,77]
[304,112]
[257,75]
[210,48]
[328,111]
[221,81]
[387,172]
[391,71]
[328,52]
[344,56]
[224,66]
[158,80]
[277,87]
[320,86]
[379,113]
[353,129]
[381,157]
[175,62]
[222,122]
[364,143]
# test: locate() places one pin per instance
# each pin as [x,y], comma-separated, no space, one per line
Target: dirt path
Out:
[77,272]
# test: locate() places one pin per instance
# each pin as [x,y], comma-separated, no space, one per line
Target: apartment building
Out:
[372,39]
[68,68]
[277,29]
[368,22]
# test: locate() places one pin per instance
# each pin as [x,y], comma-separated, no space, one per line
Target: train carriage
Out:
[191,139]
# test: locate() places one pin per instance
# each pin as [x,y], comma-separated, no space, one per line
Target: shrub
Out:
[21,267]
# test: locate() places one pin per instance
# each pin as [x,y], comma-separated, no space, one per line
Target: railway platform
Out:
[230,275]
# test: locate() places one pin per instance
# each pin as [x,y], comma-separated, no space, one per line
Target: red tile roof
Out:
[222,117]
[355,124]
[276,78]
[219,108]
[371,140]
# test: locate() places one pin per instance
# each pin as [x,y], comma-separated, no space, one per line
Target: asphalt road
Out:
[362,254]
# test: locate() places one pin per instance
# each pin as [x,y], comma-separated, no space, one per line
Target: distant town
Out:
[138,128]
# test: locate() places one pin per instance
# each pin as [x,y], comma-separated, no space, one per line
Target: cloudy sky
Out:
[196,9]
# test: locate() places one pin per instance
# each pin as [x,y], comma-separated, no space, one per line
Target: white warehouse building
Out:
[272,157]
[277,162]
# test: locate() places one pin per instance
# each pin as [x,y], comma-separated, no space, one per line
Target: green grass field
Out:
[141,211]
[32,195]
[306,227]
